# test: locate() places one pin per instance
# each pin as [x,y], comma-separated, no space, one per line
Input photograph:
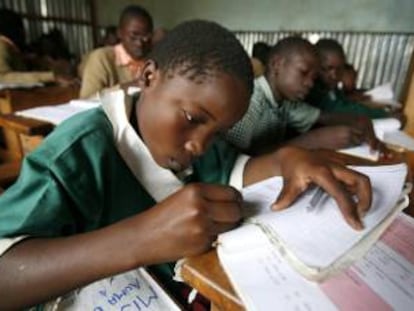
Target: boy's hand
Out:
[364,124]
[302,168]
[189,221]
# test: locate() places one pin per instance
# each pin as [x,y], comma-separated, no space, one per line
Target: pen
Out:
[315,200]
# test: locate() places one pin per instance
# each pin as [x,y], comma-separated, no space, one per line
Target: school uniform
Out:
[266,120]
[13,69]
[335,101]
[93,171]
[107,67]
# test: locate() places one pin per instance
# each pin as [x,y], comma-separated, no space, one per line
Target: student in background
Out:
[143,183]
[158,35]
[325,93]
[277,104]
[348,84]
[51,52]
[110,37]
[260,53]
[114,65]
[13,66]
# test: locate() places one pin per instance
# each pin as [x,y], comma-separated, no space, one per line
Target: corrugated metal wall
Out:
[378,57]
[72,17]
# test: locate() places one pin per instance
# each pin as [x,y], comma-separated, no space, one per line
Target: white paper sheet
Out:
[318,238]
[56,114]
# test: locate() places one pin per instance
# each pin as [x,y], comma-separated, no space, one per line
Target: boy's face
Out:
[178,118]
[135,35]
[349,77]
[332,66]
[294,75]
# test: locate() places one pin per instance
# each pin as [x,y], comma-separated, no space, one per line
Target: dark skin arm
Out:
[185,224]
[329,137]
[362,126]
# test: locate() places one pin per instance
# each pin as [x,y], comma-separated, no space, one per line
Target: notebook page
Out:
[382,280]
[320,237]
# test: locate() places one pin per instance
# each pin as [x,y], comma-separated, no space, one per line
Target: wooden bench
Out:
[18,99]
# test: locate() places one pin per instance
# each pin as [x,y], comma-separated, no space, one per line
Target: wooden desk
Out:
[205,273]
[13,100]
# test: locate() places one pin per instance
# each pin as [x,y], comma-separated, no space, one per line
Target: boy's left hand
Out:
[303,168]
[365,126]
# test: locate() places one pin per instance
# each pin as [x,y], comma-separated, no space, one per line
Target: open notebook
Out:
[382,280]
[316,243]
[132,290]
[56,114]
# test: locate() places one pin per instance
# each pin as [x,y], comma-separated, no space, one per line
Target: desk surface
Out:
[205,273]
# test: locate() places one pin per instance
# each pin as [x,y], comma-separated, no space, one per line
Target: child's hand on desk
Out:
[302,168]
[188,222]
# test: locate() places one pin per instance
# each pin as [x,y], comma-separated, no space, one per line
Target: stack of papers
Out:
[4,86]
[56,114]
[384,95]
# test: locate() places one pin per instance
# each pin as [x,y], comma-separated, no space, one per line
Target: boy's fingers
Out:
[358,185]
[224,193]
[229,212]
[336,189]
[287,196]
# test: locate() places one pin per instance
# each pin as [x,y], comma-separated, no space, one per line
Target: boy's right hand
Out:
[188,222]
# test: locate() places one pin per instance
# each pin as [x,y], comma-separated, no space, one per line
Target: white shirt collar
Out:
[158,181]
[265,86]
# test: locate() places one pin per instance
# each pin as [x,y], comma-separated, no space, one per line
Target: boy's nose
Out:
[197,145]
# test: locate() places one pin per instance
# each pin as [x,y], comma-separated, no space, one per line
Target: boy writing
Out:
[325,93]
[113,65]
[278,103]
[106,191]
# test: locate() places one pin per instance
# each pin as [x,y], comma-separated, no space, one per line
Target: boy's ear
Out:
[275,64]
[148,73]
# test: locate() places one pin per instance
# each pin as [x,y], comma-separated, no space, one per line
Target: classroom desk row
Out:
[203,272]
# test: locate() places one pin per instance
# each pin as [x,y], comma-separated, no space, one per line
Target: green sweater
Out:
[335,101]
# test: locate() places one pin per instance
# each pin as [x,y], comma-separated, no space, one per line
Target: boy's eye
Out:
[189,117]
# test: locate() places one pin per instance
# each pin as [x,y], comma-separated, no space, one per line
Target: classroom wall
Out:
[351,15]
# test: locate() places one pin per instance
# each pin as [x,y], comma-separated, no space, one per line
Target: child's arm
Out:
[302,168]
[359,123]
[186,223]
[329,137]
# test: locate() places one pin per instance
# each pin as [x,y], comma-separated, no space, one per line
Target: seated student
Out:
[13,67]
[158,34]
[51,52]
[113,65]
[325,93]
[278,103]
[259,58]
[348,84]
[106,192]
[110,36]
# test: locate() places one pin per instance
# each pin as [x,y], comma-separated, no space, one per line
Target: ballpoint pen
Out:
[315,200]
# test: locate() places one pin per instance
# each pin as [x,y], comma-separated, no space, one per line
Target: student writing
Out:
[101,196]
[277,104]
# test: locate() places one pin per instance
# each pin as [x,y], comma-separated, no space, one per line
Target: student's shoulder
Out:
[101,54]
[85,131]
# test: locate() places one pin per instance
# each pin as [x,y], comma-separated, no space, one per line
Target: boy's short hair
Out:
[329,46]
[261,51]
[292,45]
[135,11]
[198,49]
